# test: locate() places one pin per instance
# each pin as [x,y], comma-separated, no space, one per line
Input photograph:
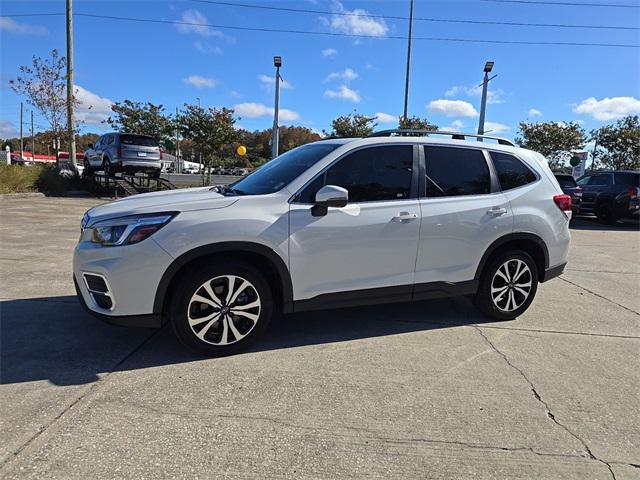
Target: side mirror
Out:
[329,196]
[90,145]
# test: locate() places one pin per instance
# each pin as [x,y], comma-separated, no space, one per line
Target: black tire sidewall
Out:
[483,299]
[187,286]
[606,214]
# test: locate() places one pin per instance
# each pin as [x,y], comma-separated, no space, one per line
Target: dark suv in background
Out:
[610,195]
[570,187]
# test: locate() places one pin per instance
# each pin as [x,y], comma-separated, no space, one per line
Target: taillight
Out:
[563,202]
[160,154]
[633,193]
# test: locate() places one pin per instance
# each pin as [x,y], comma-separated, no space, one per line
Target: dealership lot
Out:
[429,390]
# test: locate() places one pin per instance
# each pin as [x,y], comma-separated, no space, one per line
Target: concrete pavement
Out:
[429,390]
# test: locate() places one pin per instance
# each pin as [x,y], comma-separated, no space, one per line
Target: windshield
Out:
[282,170]
[129,139]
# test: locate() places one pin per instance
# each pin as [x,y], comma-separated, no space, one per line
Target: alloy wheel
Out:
[511,285]
[224,310]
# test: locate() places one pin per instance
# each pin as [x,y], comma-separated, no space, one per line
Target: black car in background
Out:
[610,195]
[570,187]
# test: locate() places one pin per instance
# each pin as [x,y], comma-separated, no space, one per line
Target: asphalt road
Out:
[429,390]
[183,179]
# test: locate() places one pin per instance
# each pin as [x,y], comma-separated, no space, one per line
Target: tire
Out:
[195,313]
[156,173]
[107,168]
[501,307]
[605,213]
[87,170]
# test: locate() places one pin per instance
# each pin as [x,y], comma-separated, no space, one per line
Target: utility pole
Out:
[277,62]
[70,120]
[33,139]
[483,106]
[406,82]
[200,166]
[178,169]
[21,139]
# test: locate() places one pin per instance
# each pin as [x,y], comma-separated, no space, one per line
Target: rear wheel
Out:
[221,309]
[156,173]
[605,213]
[507,286]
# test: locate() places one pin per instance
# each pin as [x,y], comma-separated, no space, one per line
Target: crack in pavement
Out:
[548,411]
[599,296]
[4,463]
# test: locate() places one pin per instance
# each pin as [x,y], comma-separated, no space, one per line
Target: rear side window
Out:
[627,179]
[600,179]
[141,140]
[456,171]
[512,173]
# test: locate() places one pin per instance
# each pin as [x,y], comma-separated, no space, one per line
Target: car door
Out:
[367,248]
[592,187]
[463,212]
[94,158]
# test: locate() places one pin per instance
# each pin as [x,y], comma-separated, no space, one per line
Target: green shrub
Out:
[43,178]
[18,179]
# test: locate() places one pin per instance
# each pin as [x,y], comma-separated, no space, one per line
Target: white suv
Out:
[399,216]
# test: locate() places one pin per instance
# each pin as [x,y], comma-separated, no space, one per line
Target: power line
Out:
[349,35]
[567,4]
[424,19]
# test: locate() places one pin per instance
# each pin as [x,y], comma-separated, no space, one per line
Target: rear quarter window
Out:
[628,179]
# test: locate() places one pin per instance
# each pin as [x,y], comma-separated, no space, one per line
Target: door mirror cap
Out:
[332,196]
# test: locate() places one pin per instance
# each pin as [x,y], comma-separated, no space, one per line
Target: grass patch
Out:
[38,178]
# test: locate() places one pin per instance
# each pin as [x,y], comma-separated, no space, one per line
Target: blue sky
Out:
[328,76]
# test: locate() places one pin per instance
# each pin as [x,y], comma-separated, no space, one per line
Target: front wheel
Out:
[107,168]
[507,286]
[87,170]
[221,309]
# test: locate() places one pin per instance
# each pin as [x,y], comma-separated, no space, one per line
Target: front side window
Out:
[281,171]
[512,173]
[601,179]
[456,171]
[371,174]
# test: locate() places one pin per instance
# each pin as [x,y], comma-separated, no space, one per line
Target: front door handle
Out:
[497,211]
[405,217]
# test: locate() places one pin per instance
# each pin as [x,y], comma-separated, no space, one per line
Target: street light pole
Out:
[406,82]
[483,105]
[70,120]
[277,62]
[200,167]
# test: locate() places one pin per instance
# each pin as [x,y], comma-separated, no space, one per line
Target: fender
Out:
[257,248]
[509,238]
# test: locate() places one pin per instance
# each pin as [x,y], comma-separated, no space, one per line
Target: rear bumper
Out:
[552,272]
[145,321]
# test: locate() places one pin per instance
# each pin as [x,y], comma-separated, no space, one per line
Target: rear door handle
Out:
[497,211]
[405,217]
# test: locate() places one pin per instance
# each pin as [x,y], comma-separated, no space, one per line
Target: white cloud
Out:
[343,93]
[493,96]
[608,108]
[456,126]
[199,81]
[533,112]
[452,108]
[195,21]
[254,110]
[9,25]
[386,117]
[329,52]
[92,109]
[346,76]
[495,127]
[235,94]
[357,22]
[204,47]
[7,129]
[270,82]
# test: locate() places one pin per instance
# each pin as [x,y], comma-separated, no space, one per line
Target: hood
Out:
[180,200]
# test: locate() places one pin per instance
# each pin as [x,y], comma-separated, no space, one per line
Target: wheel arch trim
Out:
[216,248]
[510,238]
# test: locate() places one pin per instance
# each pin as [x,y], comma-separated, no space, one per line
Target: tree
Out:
[211,130]
[44,85]
[555,140]
[620,144]
[416,123]
[352,125]
[141,118]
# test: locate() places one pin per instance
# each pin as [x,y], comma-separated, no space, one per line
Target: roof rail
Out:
[410,132]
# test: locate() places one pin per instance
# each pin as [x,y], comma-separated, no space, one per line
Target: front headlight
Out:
[125,230]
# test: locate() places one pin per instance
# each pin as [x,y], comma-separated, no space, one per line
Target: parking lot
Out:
[428,390]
